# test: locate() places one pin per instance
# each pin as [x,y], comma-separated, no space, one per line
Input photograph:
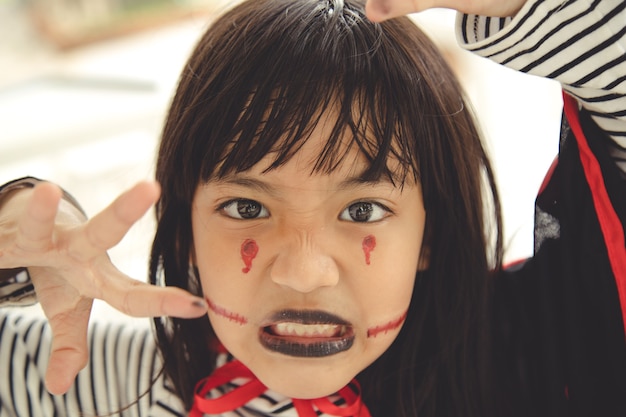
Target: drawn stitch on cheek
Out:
[249,249]
[221,311]
[385,328]
[369,243]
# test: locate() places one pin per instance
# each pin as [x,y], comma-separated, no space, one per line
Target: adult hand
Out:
[379,10]
[68,263]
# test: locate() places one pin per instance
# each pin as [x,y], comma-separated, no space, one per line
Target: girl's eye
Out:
[244,209]
[364,211]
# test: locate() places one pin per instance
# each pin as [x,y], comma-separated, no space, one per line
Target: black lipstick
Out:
[306,333]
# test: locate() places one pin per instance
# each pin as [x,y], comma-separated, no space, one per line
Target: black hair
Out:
[257,82]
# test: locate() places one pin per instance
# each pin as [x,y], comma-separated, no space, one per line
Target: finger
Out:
[36,224]
[139,299]
[380,10]
[69,351]
[108,227]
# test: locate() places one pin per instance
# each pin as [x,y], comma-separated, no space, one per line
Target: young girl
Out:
[326,201]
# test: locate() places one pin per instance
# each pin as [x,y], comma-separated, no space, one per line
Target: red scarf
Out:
[253,388]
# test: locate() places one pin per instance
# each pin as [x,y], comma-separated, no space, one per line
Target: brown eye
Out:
[364,211]
[244,209]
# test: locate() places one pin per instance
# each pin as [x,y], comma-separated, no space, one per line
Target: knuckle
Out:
[128,304]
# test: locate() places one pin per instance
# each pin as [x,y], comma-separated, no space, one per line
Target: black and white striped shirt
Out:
[580,43]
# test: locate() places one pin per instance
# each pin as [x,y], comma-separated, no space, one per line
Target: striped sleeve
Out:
[580,43]
[122,377]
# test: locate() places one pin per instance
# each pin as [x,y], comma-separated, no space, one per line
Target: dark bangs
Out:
[262,88]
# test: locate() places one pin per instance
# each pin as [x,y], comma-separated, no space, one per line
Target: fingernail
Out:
[199,303]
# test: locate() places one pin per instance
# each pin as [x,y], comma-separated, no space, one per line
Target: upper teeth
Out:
[307,330]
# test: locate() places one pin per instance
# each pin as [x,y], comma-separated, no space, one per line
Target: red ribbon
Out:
[250,390]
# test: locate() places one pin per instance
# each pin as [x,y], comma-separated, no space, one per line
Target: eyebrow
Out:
[263,186]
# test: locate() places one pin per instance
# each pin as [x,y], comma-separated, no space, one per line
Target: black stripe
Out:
[609,42]
[42,393]
[151,375]
[116,348]
[79,401]
[129,350]
[602,98]
[134,357]
[284,408]
[616,83]
[609,116]
[21,292]
[27,369]
[255,413]
[39,340]
[104,361]
[577,38]
[13,384]
[269,399]
[140,361]
[92,346]
[464,26]
[169,409]
[3,321]
[616,133]
[167,386]
[501,23]
[549,35]
[513,30]
[619,60]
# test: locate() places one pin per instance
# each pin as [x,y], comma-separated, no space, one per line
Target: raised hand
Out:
[68,263]
[379,10]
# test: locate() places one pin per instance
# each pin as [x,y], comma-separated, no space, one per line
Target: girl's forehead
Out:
[325,140]
[300,171]
[327,135]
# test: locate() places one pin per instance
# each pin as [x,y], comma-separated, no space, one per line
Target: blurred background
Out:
[85,84]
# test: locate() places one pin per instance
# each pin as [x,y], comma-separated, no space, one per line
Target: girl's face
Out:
[308,277]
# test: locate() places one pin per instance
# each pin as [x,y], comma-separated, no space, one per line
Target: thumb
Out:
[69,352]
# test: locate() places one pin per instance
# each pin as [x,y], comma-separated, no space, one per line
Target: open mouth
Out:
[309,334]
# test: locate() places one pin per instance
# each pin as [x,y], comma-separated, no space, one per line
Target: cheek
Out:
[249,250]
[385,328]
[386,282]
[368,245]
[224,313]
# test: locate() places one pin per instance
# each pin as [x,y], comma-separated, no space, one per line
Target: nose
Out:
[304,266]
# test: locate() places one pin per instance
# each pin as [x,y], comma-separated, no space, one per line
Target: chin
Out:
[305,390]
[305,381]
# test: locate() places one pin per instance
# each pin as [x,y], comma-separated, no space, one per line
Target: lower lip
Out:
[303,347]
